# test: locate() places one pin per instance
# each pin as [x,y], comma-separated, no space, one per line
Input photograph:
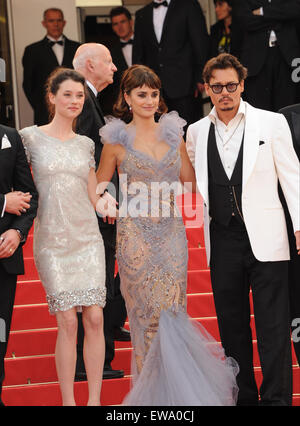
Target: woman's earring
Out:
[130,109]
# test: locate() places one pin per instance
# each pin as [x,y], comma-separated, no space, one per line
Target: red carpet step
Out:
[31,378]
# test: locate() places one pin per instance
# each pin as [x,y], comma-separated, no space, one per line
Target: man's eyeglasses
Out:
[218,88]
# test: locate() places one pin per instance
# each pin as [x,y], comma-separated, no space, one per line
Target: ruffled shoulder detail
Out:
[115,132]
[171,128]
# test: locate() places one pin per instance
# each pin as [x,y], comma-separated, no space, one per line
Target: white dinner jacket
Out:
[268,155]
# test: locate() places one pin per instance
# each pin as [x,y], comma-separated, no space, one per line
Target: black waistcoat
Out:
[225,195]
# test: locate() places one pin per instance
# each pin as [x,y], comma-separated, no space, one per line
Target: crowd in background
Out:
[171,38]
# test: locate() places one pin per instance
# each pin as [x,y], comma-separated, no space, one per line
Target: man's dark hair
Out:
[53,9]
[120,10]
[230,2]
[224,61]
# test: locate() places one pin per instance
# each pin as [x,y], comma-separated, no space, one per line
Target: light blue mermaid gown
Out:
[175,362]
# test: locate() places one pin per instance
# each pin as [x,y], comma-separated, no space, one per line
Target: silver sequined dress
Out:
[175,362]
[68,247]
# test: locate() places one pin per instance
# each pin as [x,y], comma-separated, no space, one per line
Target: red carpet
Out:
[30,367]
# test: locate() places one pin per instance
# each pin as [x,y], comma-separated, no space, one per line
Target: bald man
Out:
[94,62]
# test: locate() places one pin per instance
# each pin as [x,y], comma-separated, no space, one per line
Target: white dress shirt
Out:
[229,138]
[92,87]
[127,52]
[58,49]
[4,206]
[159,15]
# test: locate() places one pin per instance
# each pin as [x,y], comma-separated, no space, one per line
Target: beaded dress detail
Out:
[68,247]
[173,360]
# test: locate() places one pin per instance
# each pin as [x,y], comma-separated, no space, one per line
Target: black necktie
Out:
[52,43]
[163,3]
[124,43]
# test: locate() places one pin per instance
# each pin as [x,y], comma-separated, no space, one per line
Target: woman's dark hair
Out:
[224,61]
[133,77]
[56,78]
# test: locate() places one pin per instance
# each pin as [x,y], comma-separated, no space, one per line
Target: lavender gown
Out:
[175,362]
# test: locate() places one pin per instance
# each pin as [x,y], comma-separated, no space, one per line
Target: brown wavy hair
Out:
[133,77]
[56,78]
[222,62]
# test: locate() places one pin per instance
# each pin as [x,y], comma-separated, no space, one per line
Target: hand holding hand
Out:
[17,202]
[107,207]
[9,242]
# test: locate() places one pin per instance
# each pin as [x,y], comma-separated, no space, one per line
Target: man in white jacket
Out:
[239,153]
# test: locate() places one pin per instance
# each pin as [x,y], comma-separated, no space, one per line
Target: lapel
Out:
[251,142]
[68,54]
[51,54]
[169,14]
[296,127]
[96,105]
[201,165]
[149,23]
[120,58]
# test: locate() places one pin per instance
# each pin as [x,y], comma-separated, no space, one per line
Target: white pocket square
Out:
[5,142]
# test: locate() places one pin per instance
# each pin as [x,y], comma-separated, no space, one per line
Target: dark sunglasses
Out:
[218,88]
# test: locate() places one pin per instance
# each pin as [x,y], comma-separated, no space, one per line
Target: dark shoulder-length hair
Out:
[133,77]
[56,78]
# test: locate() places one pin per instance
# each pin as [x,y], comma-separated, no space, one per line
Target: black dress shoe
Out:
[121,334]
[109,373]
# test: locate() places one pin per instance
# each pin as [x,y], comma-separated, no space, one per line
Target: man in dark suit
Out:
[94,62]
[41,58]
[171,38]
[121,53]
[270,45]
[292,114]
[18,206]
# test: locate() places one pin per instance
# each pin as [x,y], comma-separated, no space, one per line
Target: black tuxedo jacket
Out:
[110,94]
[280,16]
[39,61]
[292,114]
[182,53]
[15,175]
[89,123]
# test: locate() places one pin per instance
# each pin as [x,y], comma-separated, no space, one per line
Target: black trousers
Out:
[7,297]
[273,88]
[233,268]
[114,312]
[293,280]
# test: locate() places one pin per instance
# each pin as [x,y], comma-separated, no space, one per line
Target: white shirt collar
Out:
[61,38]
[213,115]
[92,87]
[159,1]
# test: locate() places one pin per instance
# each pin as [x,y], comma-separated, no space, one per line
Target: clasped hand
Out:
[17,202]
[107,207]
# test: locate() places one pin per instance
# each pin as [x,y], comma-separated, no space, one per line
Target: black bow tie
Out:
[124,43]
[52,43]
[163,3]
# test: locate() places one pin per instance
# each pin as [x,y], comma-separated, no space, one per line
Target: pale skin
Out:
[122,26]
[227,104]
[95,63]
[144,102]
[54,23]
[68,103]
[17,203]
